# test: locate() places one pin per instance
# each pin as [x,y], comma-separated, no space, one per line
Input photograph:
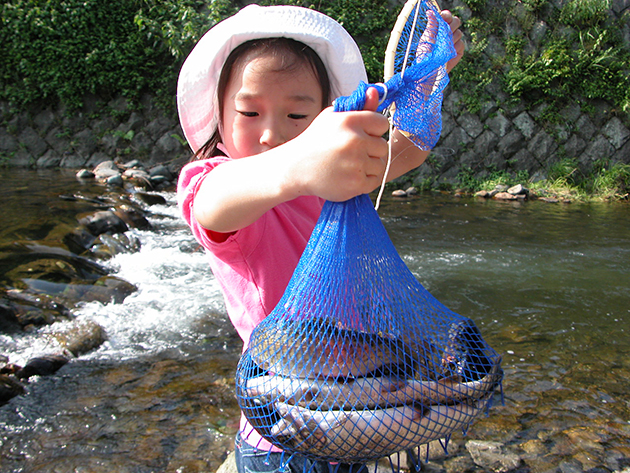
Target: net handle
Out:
[411,6]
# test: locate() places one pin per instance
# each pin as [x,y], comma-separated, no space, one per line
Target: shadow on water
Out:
[546,284]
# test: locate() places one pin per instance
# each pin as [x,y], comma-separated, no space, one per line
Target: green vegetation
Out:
[577,54]
[564,180]
[60,50]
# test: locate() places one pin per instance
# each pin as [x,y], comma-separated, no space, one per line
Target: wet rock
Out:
[115,181]
[159,182]
[8,320]
[41,301]
[107,246]
[161,170]
[78,240]
[6,367]
[80,337]
[35,309]
[491,456]
[133,164]
[550,200]
[534,447]
[105,221]
[133,218]
[150,199]
[106,169]
[42,366]
[399,193]
[518,189]
[49,269]
[107,289]
[85,174]
[505,196]
[459,464]
[571,466]
[140,177]
[9,388]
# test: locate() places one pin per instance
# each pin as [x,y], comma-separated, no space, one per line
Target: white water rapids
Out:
[176,292]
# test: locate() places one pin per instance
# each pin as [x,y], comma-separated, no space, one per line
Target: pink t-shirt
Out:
[254,265]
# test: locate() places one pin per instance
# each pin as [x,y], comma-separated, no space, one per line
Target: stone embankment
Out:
[57,138]
[494,139]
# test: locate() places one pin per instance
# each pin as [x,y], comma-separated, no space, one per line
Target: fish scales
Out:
[350,436]
[338,353]
[368,392]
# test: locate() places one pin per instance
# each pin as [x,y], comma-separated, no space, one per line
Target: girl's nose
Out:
[272,136]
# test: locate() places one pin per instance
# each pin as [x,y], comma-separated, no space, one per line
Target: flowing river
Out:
[547,284]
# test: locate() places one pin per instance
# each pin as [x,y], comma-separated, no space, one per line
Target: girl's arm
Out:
[339,156]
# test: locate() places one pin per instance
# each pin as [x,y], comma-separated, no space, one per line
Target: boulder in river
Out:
[79,337]
[105,221]
[9,388]
[42,366]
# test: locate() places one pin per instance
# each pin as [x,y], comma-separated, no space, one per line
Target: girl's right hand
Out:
[341,154]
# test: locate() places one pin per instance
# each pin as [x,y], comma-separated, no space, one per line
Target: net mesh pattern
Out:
[358,360]
[414,93]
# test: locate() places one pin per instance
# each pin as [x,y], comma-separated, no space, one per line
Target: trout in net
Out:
[337,352]
[342,395]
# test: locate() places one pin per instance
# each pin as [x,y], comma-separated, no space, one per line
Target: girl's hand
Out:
[341,154]
[458,41]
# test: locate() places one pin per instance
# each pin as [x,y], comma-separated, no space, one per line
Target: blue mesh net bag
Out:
[358,360]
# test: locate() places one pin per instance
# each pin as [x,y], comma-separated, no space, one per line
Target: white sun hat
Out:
[199,76]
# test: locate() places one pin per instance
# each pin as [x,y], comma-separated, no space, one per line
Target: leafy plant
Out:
[612,182]
[60,50]
[467,179]
[584,13]
[565,173]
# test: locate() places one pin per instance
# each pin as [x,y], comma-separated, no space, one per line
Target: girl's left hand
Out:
[458,40]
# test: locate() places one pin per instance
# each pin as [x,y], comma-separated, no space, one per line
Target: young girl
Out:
[253,99]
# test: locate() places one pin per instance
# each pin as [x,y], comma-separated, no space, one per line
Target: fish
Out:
[368,393]
[364,434]
[466,353]
[322,350]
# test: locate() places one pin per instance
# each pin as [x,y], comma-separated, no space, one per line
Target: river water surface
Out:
[547,284]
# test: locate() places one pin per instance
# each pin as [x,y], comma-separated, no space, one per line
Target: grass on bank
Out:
[564,180]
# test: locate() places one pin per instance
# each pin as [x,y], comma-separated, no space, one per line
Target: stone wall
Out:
[502,136]
[509,136]
[53,137]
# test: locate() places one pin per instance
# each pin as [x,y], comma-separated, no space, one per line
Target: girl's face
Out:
[264,108]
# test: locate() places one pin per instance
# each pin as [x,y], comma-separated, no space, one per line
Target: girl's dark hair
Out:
[294,54]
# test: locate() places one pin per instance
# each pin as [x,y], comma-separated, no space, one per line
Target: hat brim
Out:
[199,75]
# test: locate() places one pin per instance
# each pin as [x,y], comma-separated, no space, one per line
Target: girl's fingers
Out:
[371,99]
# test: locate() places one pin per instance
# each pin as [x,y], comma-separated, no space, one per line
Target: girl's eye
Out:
[249,114]
[296,116]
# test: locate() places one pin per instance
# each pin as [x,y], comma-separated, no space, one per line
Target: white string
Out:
[413,30]
[389,162]
[391,125]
